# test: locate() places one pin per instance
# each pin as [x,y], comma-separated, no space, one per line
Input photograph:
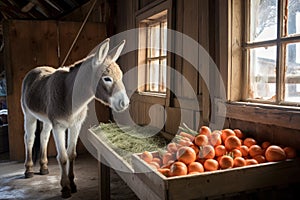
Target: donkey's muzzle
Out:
[119,101]
[124,103]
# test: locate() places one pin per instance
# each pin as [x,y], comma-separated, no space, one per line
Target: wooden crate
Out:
[218,183]
[149,184]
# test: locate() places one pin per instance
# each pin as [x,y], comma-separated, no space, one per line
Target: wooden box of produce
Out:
[178,174]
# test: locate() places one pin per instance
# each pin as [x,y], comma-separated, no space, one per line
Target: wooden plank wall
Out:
[25,49]
[207,22]
[192,22]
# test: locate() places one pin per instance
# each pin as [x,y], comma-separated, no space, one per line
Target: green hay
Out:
[130,140]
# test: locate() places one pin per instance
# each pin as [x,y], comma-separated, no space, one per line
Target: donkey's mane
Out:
[80,62]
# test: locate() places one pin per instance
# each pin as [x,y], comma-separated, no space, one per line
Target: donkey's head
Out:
[110,89]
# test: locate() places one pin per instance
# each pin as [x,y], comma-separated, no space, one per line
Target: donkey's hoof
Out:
[73,188]
[66,192]
[29,174]
[44,171]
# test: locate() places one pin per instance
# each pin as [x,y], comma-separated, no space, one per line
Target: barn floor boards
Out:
[13,185]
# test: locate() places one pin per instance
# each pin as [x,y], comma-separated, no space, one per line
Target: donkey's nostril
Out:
[122,104]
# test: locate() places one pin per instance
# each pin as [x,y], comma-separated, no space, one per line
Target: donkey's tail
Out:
[37,143]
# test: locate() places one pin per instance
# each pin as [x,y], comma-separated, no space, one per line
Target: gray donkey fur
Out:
[59,98]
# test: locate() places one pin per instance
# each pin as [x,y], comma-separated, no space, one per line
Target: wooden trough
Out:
[220,182]
[150,184]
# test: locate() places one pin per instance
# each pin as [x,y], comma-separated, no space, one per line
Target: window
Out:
[272,56]
[153,36]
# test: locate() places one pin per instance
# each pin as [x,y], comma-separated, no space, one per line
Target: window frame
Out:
[233,71]
[154,8]
[280,42]
[149,58]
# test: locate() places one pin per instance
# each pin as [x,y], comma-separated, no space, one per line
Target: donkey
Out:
[48,95]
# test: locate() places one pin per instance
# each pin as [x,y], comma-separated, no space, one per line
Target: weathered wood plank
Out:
[178,46]
[262,132]
[91,35]
[204,42]
[147,175]
[110,157]
[97,15]
[189,104]
[221,182]
[133,110]
[190,28]
[223,41]
[233,180]
[264,115]
[187,117]
[103,179]
[144,98]
[139,186]
[26,49]
[173,120]
[150,184]
[157,115]
[235,71]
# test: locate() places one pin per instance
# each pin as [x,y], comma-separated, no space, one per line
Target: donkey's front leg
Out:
[72,141]
[62,158]
[44,143]
[30,127]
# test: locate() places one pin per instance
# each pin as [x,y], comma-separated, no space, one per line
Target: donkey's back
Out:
[40,86]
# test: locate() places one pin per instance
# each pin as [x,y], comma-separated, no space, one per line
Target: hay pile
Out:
[128,140]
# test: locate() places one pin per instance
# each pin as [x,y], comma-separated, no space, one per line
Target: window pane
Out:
[263,73]
[154,75]
[154,37]
[263,20]
[164,38]
[163,75]
[293,17]
[292,76]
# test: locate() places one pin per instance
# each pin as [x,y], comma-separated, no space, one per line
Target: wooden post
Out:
[103,179]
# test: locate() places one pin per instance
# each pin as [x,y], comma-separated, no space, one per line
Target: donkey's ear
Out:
[102,51]
[114,54]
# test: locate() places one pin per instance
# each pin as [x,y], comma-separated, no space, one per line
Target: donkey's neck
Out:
[80,81]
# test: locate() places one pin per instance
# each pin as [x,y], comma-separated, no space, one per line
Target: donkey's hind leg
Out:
[30,126]
[44,143]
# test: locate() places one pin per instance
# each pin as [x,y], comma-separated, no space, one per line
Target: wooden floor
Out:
[13,185]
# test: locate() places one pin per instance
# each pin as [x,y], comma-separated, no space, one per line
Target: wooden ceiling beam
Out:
[53,10]
[72,3]
[37,9]
[12,12]
[54,5]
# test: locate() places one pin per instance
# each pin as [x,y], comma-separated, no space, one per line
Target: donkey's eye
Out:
[107,80]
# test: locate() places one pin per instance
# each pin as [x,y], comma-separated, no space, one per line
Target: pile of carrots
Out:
[194,152]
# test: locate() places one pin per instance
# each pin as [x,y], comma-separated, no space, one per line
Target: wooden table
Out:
[152,185]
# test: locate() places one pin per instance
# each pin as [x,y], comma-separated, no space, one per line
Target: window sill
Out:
[283,116]
[153,94]
[149,97]
[266,106]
